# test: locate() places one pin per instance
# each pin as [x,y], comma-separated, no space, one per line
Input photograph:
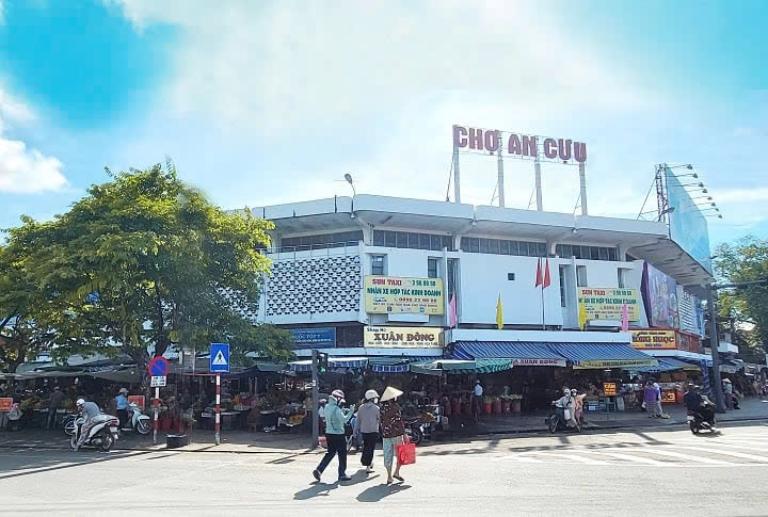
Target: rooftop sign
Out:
[517,145]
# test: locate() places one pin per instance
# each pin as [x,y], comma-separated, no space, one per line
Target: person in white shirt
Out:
[477,400]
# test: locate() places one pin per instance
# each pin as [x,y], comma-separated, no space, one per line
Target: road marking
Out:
[688,457]
[630,457]
[576,457]
[735,454]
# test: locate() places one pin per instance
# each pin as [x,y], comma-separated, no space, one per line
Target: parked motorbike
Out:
[703,419]
[102,435]
[139,422]
[556,422]
[415,429]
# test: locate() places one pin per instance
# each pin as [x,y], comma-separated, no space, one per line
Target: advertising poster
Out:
[687,224]
[607,303]
[660,293]
[403,337]
[389,294]
[314,337]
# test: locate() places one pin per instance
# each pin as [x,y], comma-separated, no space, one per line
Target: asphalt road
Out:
[653,472]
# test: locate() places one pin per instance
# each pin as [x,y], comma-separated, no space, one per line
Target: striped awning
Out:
[602,355]
[394,364]
[670,364]
[521,353]
[334,363]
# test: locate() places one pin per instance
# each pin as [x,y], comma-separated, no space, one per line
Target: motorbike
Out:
[415,429]
[138,420]
[703,419]
[556,422]
[102,435]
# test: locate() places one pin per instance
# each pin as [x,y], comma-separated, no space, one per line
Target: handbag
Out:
[406,453]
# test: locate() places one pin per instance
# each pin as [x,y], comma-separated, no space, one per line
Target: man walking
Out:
[121,407]
[335,437]
[477,400]
[55,402]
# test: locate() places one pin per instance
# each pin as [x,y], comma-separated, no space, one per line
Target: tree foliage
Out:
[143,262]
[745,261]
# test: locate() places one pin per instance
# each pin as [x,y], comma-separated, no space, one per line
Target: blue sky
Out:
[268,102]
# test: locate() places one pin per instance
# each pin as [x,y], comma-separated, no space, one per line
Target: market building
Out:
[393,282]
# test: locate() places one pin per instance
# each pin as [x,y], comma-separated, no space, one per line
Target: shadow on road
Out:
[316,489]
[378,492]
[23,463]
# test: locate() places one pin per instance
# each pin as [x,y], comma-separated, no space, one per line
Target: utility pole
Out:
[315,401]
[714,345]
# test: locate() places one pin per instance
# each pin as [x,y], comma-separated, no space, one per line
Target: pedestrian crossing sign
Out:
[219,358]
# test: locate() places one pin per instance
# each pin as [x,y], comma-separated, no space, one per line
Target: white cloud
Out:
[24,170]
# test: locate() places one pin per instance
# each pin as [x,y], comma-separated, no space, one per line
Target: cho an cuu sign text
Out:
[607,303]
[403,337]
[518,145]
[389,294]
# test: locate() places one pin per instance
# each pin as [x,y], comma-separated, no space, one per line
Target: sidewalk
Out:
[294,443]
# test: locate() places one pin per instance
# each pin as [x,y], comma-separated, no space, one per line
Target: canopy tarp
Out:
[670,364]
[602,355]
[522,353]
[400,364]
[334,363]
[459,367]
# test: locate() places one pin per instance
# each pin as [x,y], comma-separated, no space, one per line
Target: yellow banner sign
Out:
[606,303]
[403,337]
[653,339]
[389,294]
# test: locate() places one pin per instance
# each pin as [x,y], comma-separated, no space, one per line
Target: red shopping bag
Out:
[406,453]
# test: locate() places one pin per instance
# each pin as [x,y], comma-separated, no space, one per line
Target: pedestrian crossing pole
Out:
[217,416]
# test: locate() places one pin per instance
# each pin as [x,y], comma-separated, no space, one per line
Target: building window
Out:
[563,270]
[433,267]
[322,241]
[581,276]
[412,240]
[586,252]
[503,247]
[378,265]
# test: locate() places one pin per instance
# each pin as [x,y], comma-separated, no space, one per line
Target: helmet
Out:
[338,395]
[80,402]
[371,395]
[574,392]
[124,391]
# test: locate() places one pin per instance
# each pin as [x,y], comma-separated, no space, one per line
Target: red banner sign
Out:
[5,404]
[138,400]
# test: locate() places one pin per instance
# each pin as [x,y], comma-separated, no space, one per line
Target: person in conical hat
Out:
[392,430]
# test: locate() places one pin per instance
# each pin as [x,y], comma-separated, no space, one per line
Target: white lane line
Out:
[735,454]
[757,448]
[576,456]
[630,457]
[687,457]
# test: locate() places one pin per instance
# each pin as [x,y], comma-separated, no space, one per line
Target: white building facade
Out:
[483,260]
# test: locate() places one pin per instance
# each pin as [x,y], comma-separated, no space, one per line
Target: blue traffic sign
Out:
[219,361]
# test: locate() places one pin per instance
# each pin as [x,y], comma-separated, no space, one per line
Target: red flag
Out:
[547,280]
[539,280]
[453,315]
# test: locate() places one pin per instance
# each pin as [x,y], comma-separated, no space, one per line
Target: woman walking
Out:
[367,424]
[392,431]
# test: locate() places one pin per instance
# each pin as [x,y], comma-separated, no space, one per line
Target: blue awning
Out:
[521,353]
[334,363]
[394,364]
[602,355]
[670,364]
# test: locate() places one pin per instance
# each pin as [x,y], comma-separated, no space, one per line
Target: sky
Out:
[261,103]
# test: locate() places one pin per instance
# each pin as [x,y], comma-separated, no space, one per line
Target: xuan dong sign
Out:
[517,145]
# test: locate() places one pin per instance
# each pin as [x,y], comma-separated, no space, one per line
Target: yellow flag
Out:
[499,314]
[582,316]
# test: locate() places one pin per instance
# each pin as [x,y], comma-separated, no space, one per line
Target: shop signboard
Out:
[138,400]
[660,294]
[606,303]
[389,294]
[403,337]
[314,337]
[654,339]
[5,404]
[611,389]
[615,363]
[538,362]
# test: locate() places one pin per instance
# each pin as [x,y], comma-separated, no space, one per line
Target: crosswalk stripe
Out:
[630,457]
[712,450]
[578,458]
[688,457]
[745,447]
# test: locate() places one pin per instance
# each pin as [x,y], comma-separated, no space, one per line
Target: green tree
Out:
[143,262]
[745,261]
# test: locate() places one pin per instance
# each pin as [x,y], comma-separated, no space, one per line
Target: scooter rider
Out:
[697,404]
[565,407]
[89,411]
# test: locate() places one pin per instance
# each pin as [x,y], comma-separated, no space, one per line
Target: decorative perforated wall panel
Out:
[317,285]
[237,302]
